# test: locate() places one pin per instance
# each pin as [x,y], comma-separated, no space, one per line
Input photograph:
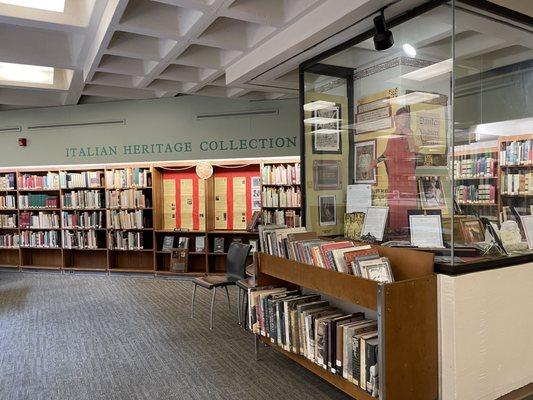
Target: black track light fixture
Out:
[383,38]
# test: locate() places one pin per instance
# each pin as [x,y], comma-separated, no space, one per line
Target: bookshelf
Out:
[109,218]
[406,311]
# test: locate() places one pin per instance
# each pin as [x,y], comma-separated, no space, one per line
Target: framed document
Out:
[364,154]
[527,224]
[375,221]
[473,231]
[426,231]
[431,192]
[327,210]
[326,174]
[327,136]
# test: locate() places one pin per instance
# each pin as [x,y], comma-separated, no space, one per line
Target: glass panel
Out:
[493,160]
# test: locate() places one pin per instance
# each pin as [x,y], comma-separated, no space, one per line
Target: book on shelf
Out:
[476,193]
[199,244]
[80,240]
[281,197]
[484,165]
[45,239]
[8,220]
[183,242]
[7,181]
[219,245]
[50,181]
[41,220]
[83,179]
[126,240]
[84,219]
[127,219]
[38,201]
[516,184]
[282,174]
[8,202]
[253,245]
[168,243]
[304,324]
[83,199]
[9,240]
[129,198]
[127,178]
[290,218]
[518,152]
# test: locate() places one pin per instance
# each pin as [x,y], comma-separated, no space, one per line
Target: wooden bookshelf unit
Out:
[88,206]
[407,319]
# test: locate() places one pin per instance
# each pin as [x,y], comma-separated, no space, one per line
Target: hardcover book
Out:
[219,245]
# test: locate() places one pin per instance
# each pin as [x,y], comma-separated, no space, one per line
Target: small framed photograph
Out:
[327,210]
[473,231]
[364,155]
[426,231]
[326,175]
[377,270]
[375,222]
[327,137]
[527,224]
[431,191]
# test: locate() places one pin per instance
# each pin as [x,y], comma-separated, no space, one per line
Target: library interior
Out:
[249,199]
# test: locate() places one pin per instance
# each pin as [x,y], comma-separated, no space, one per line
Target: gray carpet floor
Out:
[90,337]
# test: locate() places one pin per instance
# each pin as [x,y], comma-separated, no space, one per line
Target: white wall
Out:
[169,121]
[486,333]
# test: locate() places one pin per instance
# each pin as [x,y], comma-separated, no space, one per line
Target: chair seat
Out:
[210,282]
[246,283]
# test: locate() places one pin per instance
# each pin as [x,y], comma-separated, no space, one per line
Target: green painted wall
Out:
[155,130]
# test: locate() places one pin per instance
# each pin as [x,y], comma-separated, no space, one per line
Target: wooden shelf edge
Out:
[335,380]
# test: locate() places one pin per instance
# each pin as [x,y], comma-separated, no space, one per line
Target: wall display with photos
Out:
[326,175]
[326,132]
[364,156]
[327,209]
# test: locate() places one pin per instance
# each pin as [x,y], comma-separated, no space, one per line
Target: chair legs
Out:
[227,295]
[239,316]
[212,306]
[193,298]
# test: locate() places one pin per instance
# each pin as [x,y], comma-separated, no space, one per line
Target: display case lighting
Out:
[320,121]
[431,71]
[26,73]
[318,105]
[326,130]
[411,98]
[46,5]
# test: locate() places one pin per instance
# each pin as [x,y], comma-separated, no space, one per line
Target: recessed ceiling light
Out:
[430,71]
[26,73]
[47,5]
[318,105]
[409,50]
[320,120]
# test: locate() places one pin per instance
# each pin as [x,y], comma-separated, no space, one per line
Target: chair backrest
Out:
[236,260]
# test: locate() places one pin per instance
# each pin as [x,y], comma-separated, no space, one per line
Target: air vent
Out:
[248,113]
[77,124]
[11,129]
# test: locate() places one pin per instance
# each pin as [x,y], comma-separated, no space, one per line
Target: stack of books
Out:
[341,343]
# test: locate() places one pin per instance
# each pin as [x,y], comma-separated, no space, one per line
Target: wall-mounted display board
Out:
[123,218]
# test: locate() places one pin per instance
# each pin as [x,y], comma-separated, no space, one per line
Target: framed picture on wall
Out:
[326,131]
[472,229]
[327,210]
[327,174]
[364,155]
[431,192]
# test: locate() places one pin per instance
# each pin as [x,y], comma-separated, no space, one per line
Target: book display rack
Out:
[406,312]
[113,219]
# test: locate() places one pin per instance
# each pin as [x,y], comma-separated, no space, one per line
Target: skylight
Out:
[26,73]
[47,5]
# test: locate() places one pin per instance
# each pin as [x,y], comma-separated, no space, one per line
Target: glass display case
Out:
[428,142]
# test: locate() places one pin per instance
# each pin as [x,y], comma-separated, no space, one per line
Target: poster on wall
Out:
[256,193]
[326,175]
[326,131]
[374,112]
[327,210]
[169,204]
[239,207]
[364,156]
[428,124]
[221,203]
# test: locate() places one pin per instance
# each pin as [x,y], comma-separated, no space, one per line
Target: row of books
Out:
[290,218]
[7,181]
[9,240]
[476,166]
[481,193]
[83,199]
[517,153]
[85,219]
[520,183]
[129,198]
[341,256]
[127,220]
[8,221]
[284,174]
[120,240]
[84,179]
[38,201]
[127,178]
[30,181]
[341,343]
[48,239]
[80,240]
[281,197]
[42,220]
[8,202]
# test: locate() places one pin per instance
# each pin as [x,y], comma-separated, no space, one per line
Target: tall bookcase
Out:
[94,210]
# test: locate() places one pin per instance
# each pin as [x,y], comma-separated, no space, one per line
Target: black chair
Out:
[235,267]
